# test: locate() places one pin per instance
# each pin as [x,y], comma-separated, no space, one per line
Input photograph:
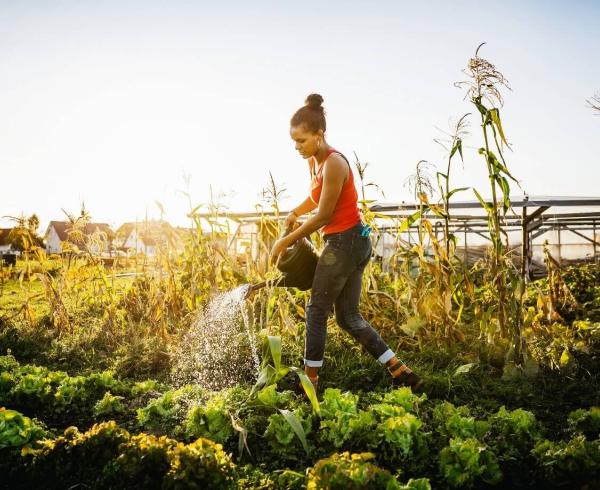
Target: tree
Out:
[24,236]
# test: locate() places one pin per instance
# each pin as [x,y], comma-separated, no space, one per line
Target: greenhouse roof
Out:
[516,202]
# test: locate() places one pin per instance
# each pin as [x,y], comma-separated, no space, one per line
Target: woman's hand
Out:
[291,221]
[279,249]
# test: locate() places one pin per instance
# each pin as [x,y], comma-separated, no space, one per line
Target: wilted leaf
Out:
[465,368]
[296,426]
[412,326]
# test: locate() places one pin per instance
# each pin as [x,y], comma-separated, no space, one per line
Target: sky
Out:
[120,105]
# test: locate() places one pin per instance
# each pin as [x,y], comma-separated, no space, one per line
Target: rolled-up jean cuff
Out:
[313,363]
[386,356]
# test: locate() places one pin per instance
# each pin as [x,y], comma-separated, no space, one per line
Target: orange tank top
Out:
[346,214]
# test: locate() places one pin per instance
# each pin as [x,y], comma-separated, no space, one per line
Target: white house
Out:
[95,235]
[146,236]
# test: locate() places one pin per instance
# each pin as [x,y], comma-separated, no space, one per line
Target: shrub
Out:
[354,472]
[8,363]
[586,422]
[570,462]
[143,462]
[467,461]
[349,472]
[513,433]
[201,464]
[75,457]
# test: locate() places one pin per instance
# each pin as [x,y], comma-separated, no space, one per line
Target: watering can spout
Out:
[257,286]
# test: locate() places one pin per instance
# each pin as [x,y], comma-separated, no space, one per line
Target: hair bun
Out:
[314,101]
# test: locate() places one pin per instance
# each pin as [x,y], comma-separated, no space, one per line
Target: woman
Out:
[337,280]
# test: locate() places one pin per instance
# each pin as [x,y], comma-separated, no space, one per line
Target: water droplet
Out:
[219,351]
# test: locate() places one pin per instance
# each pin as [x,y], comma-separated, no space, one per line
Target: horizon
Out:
[119,105]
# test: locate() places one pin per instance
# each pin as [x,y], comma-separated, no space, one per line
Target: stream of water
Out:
[219,351]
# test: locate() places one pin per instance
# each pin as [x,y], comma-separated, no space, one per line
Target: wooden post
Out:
[525,241]
[466,247]
[559,246]
[594,240]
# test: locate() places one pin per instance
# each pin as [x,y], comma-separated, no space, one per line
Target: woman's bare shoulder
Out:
[335,160]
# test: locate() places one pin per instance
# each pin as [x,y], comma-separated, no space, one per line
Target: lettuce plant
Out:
[109,405]
[16,430]
[201,464]
[355,471]
[402,437]
[211,420]
[570,462]
[586,422]
[466,462]
[279,433]
[513,433]
[457,422]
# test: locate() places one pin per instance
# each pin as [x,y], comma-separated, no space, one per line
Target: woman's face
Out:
[307,142]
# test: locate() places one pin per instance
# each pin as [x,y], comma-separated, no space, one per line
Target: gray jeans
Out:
[337,283]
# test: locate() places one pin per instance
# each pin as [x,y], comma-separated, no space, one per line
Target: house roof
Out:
[4,232]
[150,232]
[63,228]
[125,229]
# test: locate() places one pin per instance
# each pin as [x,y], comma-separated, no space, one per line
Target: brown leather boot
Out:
[402,375]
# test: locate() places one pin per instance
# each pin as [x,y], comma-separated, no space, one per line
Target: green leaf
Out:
[265,378]
[275,346]
[486,205]
[457,147]
[439,175]
[309,389]
[495,115]
[503,183]
[296,426]
[454,191]
[409,221]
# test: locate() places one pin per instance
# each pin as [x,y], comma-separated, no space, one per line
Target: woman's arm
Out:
[306,207]
[335,173]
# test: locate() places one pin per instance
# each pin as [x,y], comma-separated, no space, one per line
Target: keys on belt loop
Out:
[366,230]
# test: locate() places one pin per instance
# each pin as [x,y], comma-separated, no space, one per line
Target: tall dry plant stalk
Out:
[452,143]
[483,89]
[431,281]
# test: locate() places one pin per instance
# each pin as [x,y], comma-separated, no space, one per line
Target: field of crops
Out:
[90,398]
[101,385]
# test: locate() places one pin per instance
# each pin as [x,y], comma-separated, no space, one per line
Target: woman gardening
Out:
[337,280]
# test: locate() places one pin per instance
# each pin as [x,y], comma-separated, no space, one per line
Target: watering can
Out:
[297,266]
